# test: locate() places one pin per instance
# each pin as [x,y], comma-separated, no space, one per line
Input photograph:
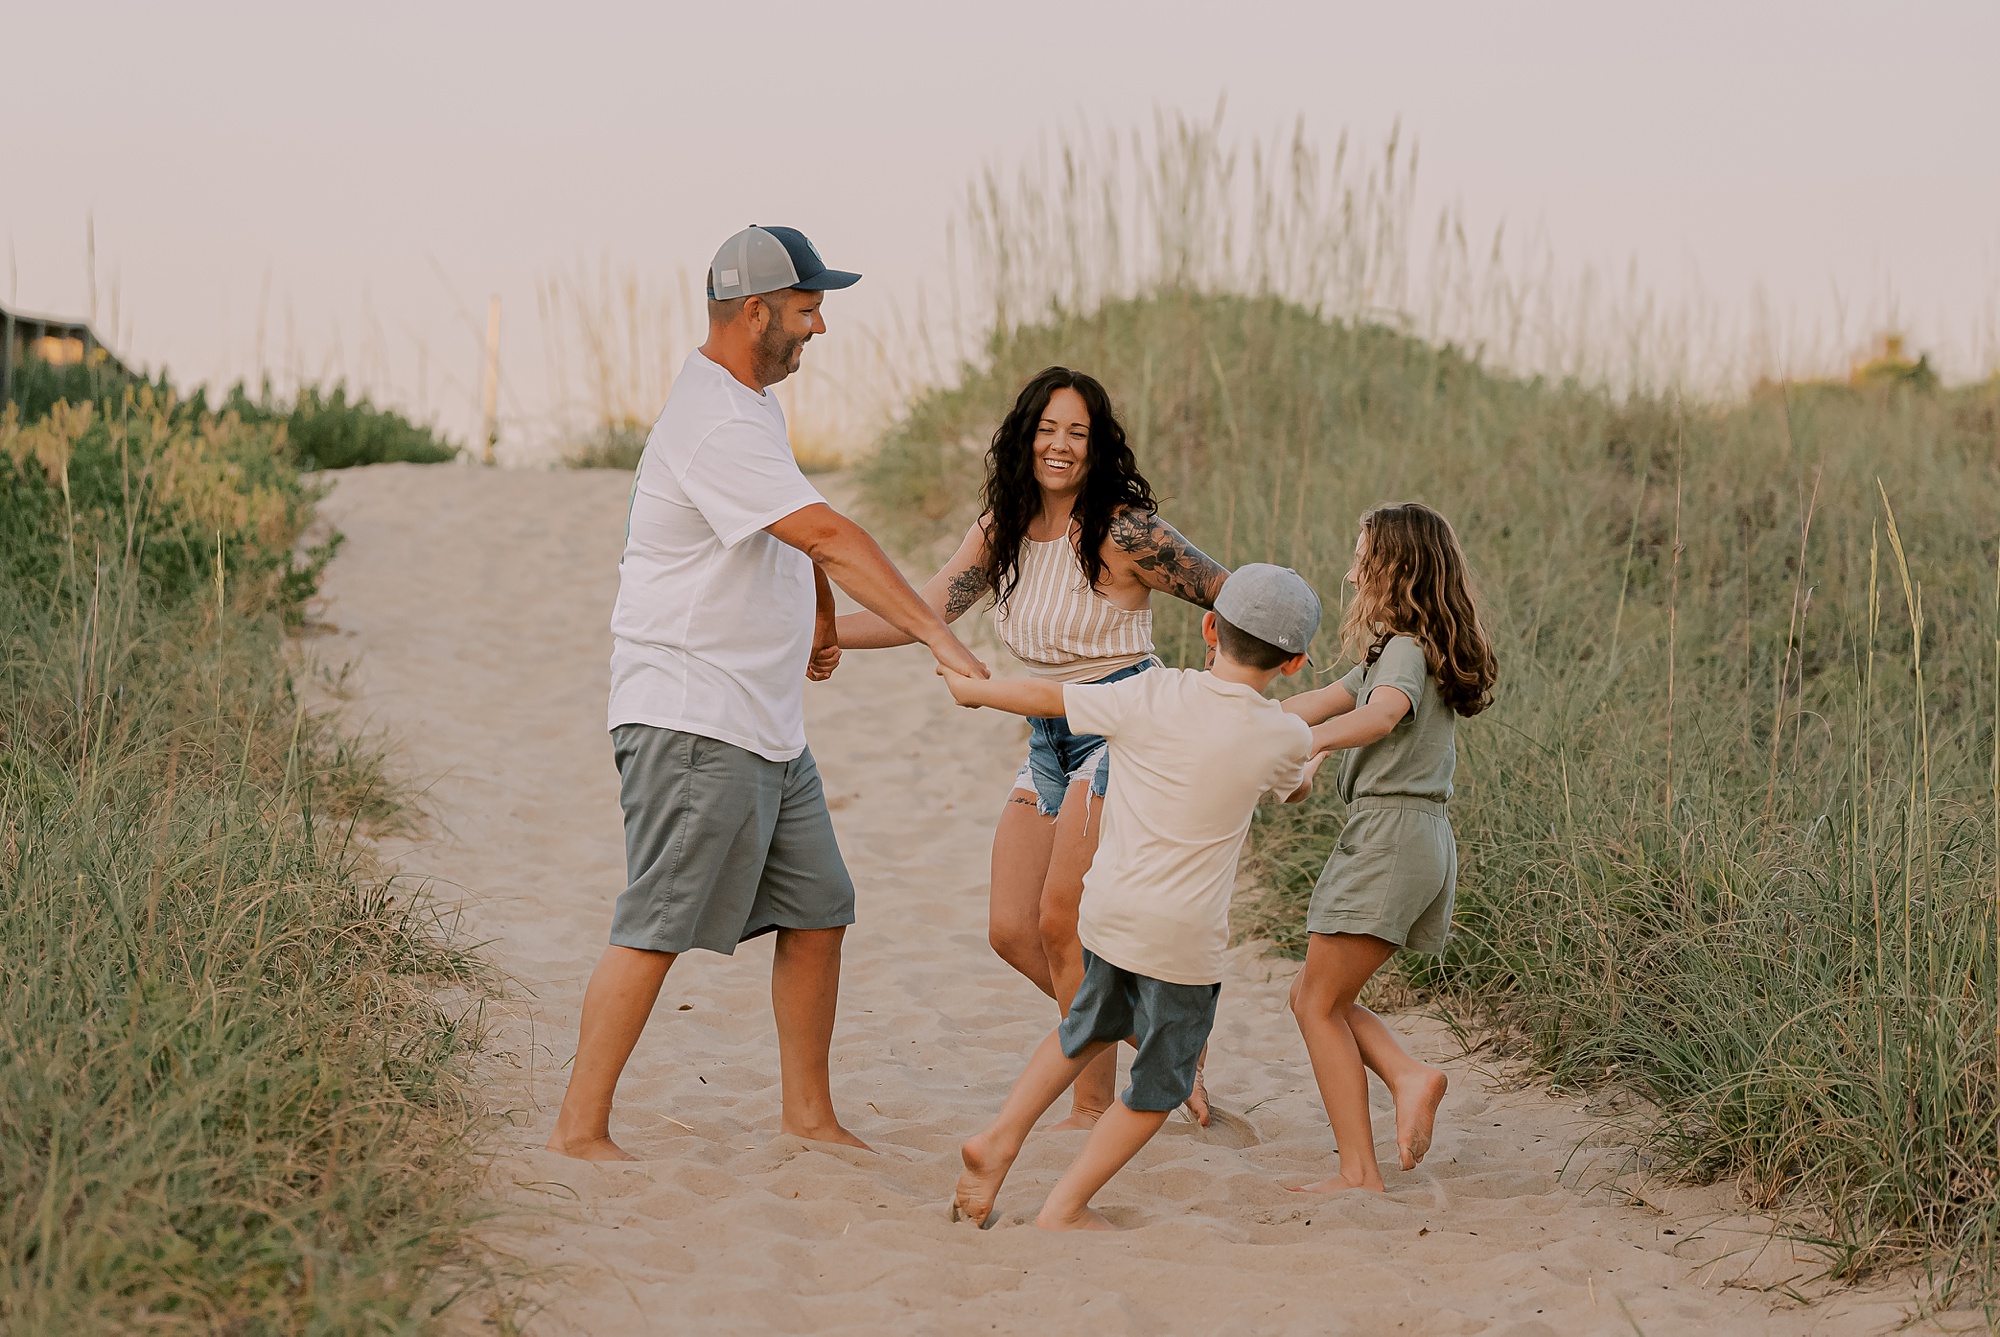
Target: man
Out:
[723,610]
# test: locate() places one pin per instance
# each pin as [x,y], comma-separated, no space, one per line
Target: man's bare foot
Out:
[1083,1218]
[1081,1119]
[979,1187]
[589,1148]
[1197,1101]
[830,1131]
[1339,1185]
[1417,1100]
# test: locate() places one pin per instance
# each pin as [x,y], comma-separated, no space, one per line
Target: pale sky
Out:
[1839,162]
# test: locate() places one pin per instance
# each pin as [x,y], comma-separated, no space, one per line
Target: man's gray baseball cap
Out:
[1272,603]
[766,259]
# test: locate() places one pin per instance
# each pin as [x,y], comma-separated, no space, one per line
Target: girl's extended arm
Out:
[1305,789]
[1163,560]
[1320,704]
[1362,725]
[1035,697]
[957,586]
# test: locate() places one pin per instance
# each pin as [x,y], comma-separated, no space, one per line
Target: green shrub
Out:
[614,446]
[36,386]
[327,430]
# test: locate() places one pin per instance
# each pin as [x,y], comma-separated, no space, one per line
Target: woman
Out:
[1071,548]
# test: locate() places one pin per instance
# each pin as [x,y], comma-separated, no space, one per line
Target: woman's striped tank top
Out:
[1060,627]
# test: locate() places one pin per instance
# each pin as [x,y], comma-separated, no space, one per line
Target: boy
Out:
[1191,753]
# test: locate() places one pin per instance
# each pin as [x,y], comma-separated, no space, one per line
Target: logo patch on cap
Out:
[728,277]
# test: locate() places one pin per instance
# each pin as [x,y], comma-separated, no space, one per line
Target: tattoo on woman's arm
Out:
[963,591]
[1166,561]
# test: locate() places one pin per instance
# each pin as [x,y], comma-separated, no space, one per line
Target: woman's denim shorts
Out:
[1058,758]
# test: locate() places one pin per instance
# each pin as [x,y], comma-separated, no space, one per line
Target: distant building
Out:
[59,343]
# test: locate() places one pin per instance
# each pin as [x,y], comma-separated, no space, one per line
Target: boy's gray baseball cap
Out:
[1272,603]
[766,259]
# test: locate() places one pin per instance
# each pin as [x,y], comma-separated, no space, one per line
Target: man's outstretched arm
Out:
[856,563]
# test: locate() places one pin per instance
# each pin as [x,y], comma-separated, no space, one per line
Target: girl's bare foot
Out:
[1339,1185]
[1083,1218]
[979,1187]
[830,1131]
[589,1148]
[1417,1099]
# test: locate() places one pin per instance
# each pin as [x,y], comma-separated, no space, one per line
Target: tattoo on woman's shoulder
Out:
[1166,561]
[963,591]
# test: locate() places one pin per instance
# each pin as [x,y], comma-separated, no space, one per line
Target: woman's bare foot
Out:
[979,1187]
[588,1148]
[1081,1119]
[1338,1185]
[823,1132]
[1083,1218]
[1417,1099]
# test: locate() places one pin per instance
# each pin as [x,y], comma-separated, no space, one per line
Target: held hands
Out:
[826,633]
[961,686]
[954,658]
[1305,789]
[825,659]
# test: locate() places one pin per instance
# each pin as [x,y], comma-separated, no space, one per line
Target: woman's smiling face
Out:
[1062,444]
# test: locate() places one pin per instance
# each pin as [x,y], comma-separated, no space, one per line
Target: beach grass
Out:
[232,1098]
[325,428]
[1728,834]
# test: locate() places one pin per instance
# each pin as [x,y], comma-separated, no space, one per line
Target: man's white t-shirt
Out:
[1190,756]
[714,620]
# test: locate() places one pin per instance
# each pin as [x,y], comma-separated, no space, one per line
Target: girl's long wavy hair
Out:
[1111,479]
[1413,582]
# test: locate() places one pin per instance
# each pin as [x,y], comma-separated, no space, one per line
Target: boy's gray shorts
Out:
[1168,1022]
[721,844]
[1391,876]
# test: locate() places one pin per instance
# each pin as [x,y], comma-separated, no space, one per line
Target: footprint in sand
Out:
[1224,1130]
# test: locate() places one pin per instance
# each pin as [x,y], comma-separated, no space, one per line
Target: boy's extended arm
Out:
[1034,697]
[1360,726]
[1320,704]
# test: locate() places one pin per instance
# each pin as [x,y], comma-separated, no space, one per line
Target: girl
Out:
[1070,547]
[1424,660]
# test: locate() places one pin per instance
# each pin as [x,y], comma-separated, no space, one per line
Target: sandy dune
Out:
[474,604]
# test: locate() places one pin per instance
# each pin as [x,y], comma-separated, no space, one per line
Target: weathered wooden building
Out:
[50,339]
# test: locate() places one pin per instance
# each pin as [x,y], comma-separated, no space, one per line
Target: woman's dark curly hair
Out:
[1111,479]
[1413,582]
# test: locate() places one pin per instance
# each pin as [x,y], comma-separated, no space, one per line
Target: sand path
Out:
[473,606]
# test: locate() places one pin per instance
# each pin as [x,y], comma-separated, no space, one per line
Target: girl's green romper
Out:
[1393,872]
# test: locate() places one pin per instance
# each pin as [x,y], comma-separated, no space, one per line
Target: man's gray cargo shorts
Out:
[721,844]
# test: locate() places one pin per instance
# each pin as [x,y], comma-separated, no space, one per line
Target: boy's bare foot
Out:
[823,1132]
[1338,1185]
[1197,1101]
[1417,1100]
[589,1148]
[1083,1218]
[1081,1119]
[979,1187]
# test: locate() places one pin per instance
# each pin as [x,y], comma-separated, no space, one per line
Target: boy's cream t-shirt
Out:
[1190,756]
